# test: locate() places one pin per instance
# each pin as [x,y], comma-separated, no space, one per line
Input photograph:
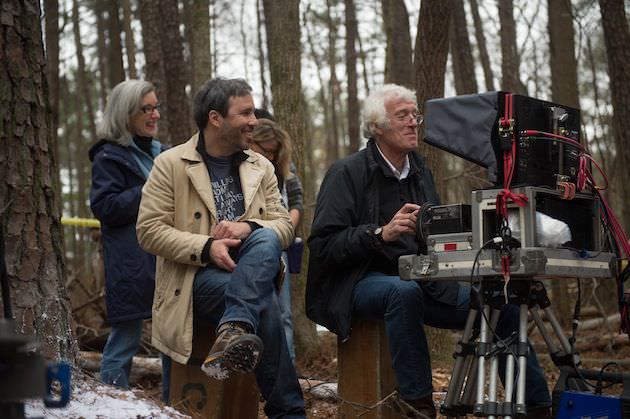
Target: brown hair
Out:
[267,131]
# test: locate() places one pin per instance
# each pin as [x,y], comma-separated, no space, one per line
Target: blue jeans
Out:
[284,299]
[405,309]
[249,295]
[122,344]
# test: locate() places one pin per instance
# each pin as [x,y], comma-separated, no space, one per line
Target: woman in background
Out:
[122,159]
[274,144]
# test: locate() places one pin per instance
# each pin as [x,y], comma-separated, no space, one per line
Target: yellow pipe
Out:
[81,222]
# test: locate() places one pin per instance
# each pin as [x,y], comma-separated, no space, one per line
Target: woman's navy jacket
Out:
[115,198]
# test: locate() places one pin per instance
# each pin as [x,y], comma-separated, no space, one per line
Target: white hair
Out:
[374,114]
[124,100]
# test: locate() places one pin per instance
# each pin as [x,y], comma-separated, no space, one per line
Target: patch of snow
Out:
[93,400]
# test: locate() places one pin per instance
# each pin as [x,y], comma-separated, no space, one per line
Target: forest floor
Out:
[324,368]
[93,400]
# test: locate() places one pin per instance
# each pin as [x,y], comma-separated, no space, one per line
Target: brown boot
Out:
[422,408]
[234,350]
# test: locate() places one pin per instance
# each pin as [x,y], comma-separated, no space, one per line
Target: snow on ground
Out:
[93,400]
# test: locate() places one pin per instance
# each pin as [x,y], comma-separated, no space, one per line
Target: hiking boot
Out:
[422,408]
[234,350]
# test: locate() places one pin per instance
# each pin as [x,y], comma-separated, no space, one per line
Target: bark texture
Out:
[30,214]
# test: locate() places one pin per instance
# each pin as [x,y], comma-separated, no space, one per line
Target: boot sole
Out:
[241,356]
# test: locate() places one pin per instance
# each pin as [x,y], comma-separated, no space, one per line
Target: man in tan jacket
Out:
[212,214]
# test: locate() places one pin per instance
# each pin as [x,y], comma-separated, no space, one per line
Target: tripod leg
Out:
[481,360]
[494,369]
[558,329]
[543,329]
[459,370]
[522,358]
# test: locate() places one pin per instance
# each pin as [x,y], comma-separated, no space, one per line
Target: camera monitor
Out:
[468,126]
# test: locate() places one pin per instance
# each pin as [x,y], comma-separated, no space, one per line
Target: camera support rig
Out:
[480,256]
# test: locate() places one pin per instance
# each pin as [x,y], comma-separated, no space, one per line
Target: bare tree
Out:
[482,47]
[332,139]
[461,51]
[199,40]
[171,42]
[98,7]
[617,39]
[398,65]
[351,73]
[130,45]
[154,67]
[430,57]
[116,69]
[564,84]
[81,71]
[261,54]
[510,60]
[282,23]
[30,215]
[430,64]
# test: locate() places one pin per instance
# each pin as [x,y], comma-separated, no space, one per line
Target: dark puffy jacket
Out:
[115,198]
[340,246]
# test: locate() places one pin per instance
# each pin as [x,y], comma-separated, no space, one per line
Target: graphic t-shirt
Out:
[226,187]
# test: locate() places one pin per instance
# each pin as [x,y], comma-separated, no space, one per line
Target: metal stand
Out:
[475,361]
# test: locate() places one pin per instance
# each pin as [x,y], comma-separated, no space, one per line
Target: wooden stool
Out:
[365,371]
[194,393]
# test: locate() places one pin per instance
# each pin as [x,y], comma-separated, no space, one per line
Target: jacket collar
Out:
[416,161]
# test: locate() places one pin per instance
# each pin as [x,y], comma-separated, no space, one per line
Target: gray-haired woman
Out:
[122,160]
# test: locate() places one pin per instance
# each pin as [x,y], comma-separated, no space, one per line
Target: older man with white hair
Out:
[365,219]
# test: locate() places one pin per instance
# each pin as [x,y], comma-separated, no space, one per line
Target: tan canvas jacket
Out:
[177,213]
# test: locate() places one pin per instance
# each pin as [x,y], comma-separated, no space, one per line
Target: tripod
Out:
[476,360]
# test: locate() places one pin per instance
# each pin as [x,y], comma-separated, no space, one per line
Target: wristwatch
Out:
[378,233]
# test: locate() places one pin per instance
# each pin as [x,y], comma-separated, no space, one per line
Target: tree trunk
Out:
[116,68]
[178,106]
[154,62]
[261,54]
[564,91]
[398,65]
[351,72]
[282,23]
[564,85]
[30,215]
[430,65]
[461,52]
[481,45]
[83,85]
[130,45]
[617,38]
[510,60]
[201,66]
[332,137]
[51,16]
[101,50]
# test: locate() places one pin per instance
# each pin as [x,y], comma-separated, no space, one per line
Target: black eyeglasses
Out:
[150,108]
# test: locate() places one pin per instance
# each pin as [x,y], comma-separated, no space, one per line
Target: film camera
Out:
[544,217]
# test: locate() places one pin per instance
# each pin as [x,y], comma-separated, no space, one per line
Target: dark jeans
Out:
[249,295]
[122,344]
[405,309]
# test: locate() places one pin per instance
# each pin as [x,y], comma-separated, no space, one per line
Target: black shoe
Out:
[234,350]
[422,408]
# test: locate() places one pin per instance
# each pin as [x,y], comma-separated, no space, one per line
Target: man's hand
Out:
[231,230]
[219,253]
[403,222]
